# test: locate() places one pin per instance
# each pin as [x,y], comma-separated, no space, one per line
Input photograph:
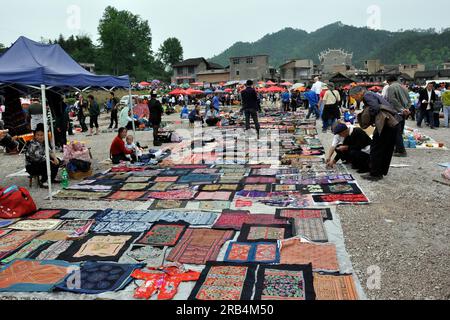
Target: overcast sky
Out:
[207,27]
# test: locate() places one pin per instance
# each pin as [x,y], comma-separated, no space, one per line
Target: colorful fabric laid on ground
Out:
[258,232]
[165,281]
[152,256]
[164,234]
[14,240]
[75,194]
[312,229]
[195,218]
[199,178]
[216,196]
[216,206]
[7,222]
[4,231]
[52,251]
[304,214]
[54,235]
[197,246]
[79,214]
[72,226]
[99,277]
[260,180]
[257,252]
[134,187]
[44,214]
[121,227]
[236,219]
[173,194]
[99,248]
[285,282]
[32,276]
[127,195]
[168,204]
[225,282]
[25,251]
[334,287]
[323,257]
[341,199]
[36,225]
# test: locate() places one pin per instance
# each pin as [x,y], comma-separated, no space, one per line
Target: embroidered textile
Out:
[257,232]
[235,219]
[79,214]
[164,234]
[312,229]
[304,214]
[257,252]
[172,195]
[44,214]
[197,246]
[168,204]
[334,287]
[53,251]
[216,196]
[100,277]
[25,251]
[121,227]
[75,194]
[14,240]
[32,276]
[36,225]
[225,282]
[287,283]
[216,206]
[323,257]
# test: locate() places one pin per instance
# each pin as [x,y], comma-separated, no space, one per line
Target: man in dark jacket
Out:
[251,106]
[353,146]
[427,99]
[156,111]
[383,143]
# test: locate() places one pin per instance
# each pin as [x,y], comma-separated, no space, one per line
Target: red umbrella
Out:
[228,90]
[145,84]
[193,92]
[177,92]
[275,89]
[287,84]
[270,83]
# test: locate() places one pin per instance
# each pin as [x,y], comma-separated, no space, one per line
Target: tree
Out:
[80,48]
[125,41]
[171,52]
[2,48]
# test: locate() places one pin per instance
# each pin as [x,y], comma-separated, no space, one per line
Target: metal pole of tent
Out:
[47,145]
[130,102]
[52,130]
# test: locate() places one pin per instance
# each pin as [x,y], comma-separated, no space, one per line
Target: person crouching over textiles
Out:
[195,116]
[352,145]
[35,159]
[130,145]
[212,117]
[118,150]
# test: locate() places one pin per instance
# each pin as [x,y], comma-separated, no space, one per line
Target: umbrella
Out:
[228,90]
[145,84]
[208,91]
[193,92]
[197,84]
[219,91]
[270,83]
[286,84]
[177,92]
[275,89]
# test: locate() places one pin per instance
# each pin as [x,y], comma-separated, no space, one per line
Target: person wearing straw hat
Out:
[331,111]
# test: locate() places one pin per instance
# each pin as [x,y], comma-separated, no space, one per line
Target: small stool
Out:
[38,179]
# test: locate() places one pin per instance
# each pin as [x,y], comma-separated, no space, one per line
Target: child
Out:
[349,116]
[130,145]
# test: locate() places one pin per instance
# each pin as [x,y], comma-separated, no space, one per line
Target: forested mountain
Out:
[412,46]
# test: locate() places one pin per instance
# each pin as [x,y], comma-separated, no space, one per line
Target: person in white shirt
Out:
[317,86]
[130,145]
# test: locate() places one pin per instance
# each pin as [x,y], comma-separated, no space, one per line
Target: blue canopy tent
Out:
[43,67]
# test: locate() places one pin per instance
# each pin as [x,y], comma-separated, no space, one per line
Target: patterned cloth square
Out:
[52,251]
[217,196]
[99,277]
[79,214]
[173,194]
[259,232]
[44,214]
[285,282]
[32,276]
[225,282]
[134,187]
[215,206]
[26,251]
[86,195]
[166,179]
[127,195]
[332,287]
[323,257]
[164,234]
[36,225]
[13,240]
[121,227]
[256,252]
[304,214]
[168,204]
[198,246]
[230,219]
[312,229]
[99,248]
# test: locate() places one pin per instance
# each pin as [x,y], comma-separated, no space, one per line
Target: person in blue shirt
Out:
[313,101]
[349,116]
[184,113]
[216,102]
[286,99]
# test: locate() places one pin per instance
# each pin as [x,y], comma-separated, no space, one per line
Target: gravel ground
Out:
[405,231]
